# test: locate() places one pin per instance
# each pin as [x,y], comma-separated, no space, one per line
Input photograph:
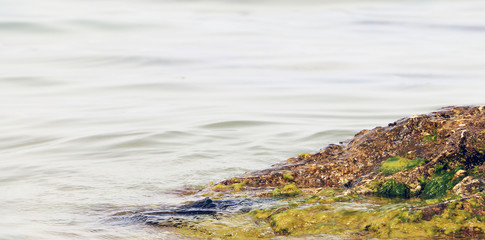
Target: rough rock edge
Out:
[460,135]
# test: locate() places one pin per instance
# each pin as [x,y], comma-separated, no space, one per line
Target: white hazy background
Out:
[109,105]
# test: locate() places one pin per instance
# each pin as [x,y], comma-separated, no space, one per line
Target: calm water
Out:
[108,105]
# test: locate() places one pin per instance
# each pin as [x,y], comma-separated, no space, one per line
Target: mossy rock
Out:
[304,156]
[453,138]
[236,187]
[288,176]
[381,219]
[397,164]
[393,189]
[289,190]
[441,182]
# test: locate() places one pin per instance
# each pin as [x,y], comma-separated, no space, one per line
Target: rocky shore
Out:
[421,176]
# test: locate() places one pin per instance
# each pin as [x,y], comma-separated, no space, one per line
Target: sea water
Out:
[111,105]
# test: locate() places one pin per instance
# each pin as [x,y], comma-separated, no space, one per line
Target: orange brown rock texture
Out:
[452,135]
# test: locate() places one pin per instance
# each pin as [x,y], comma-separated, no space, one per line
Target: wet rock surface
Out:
[205,208]
[187,214]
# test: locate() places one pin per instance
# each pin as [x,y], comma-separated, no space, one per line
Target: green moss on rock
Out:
[288,176]
[236,187]
[289,190]
[372,218]
[441,182]
[329,192]
[393,189]
[397,164]
[304,156]
[409,217]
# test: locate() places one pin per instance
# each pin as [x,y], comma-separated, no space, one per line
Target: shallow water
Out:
[111,105]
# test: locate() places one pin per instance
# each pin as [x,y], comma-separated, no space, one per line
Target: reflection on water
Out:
[114,105]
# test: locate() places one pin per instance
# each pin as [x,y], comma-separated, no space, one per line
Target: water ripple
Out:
[122,140]
[236,124]
[133,60]
[27,27]
[21,143]
[106,25]
[27,81]
[334,134]
[453,27]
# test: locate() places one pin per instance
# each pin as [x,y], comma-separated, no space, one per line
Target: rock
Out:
[187,214]
[435,159]
[457,139]
[467,186]
[459,173]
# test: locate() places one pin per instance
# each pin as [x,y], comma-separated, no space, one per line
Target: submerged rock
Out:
[187,215]
[420,176]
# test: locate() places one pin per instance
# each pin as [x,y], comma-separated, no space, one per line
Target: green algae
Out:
[436,188]
[393,189]
[475,172]
[364,218]
[330,192]
[441,182]
[312,199]
[389,221]
[431,212]
[290,190]
[328,212]
[241,226]
[374,185]
[288,177]
[397,164]
[330,200]
[262,213]
[304,156]
[411,217]
[236,187]
[431,138]
[461,216]
[295,220]
[454,197]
